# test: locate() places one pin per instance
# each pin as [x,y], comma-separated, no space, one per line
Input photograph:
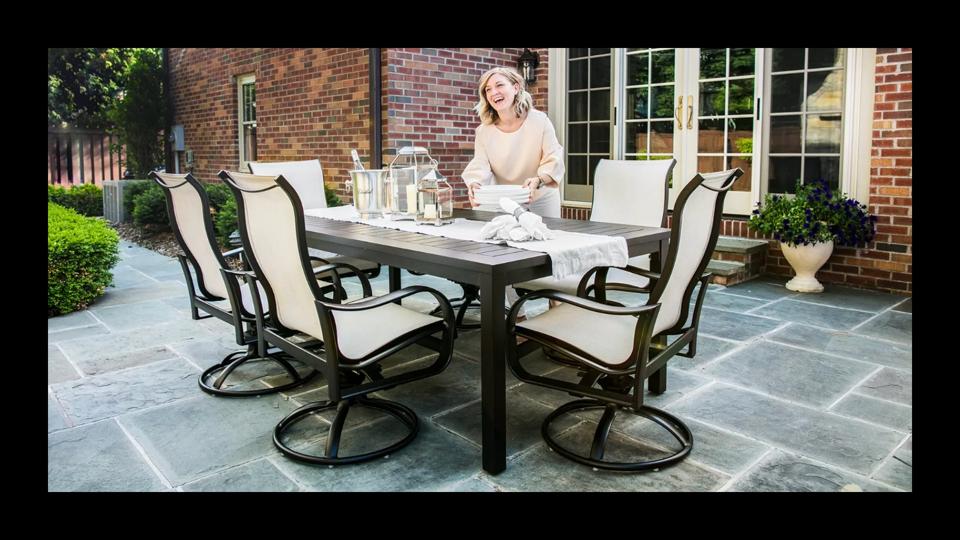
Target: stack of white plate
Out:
[489,196]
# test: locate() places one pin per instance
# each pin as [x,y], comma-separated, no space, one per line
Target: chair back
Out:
[696,226]
[631,191]
[188,209]
[306,177]
[274,238]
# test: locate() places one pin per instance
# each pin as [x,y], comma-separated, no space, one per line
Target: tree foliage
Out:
[139,113]
[82,84]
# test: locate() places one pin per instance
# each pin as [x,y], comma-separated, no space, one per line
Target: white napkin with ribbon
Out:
[531,223]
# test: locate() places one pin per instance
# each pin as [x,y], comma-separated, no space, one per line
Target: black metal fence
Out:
[83,156]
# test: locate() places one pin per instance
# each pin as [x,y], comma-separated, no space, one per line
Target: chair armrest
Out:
[331,267]
[391,297]
[233,252]
[578,301]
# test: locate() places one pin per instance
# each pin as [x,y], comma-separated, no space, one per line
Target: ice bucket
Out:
[368,188]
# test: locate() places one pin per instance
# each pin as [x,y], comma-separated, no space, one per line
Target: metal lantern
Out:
[409,165]
[434,200]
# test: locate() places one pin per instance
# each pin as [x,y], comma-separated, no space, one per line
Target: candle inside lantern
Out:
[430,211]
[411,199]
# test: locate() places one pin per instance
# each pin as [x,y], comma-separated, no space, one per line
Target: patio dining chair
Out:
[624,191]
[215,289]
[617,347]
[353,337]
[306,177]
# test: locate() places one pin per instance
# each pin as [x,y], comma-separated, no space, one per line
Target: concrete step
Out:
[733,244]
[725,268]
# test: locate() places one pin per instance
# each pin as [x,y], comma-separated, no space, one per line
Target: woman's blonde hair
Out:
[522,102]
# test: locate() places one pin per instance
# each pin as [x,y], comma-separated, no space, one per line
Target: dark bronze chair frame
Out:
[622,388]
[244,322]
[344,375]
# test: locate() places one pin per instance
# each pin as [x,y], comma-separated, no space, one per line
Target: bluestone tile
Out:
[735,326]
[845,343]
[260,475]
[141,314]
[813,314]
[785,472]
[892,326]
[58,367]
[850,298]
[55,419]
[898,470]
[889,384]
[877,411]
[76,319]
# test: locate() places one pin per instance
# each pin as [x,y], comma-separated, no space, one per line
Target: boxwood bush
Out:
[81,251]
[87,199]
[150,207]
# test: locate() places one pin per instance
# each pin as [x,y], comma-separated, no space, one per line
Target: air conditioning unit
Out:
[113,196]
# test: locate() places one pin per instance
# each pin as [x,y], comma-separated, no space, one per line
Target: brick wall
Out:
[311,103]
[429,99]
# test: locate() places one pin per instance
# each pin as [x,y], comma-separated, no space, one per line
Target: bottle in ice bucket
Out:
[434,200]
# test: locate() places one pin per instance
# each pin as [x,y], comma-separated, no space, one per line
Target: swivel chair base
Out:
[331,453]
[219,373]
[669,422]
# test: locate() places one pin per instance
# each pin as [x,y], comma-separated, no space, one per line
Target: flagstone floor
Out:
[788,392]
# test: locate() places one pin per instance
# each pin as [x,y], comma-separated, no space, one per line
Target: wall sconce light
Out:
[528,63]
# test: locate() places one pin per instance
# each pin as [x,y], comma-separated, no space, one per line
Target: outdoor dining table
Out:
[491,268]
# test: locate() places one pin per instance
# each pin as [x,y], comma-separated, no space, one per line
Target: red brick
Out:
[906,57]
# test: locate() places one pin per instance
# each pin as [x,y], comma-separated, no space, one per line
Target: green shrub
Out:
[130,192]
[218,194]
[86,199]
[80,253]
[332,198]
[150,207]
[225,222]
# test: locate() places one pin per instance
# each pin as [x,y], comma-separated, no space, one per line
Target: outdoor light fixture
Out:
[528,64]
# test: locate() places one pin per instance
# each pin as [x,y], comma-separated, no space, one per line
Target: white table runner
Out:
[571,253]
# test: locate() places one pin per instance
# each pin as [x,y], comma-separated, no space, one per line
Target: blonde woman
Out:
[515,143]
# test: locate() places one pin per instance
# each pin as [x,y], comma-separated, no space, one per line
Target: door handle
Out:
[679,112]
[690,112]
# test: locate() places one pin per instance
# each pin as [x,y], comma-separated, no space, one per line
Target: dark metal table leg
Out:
[493,374]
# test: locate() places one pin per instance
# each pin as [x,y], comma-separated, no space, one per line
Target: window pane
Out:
[578,75]
[784,174]
[663,67]
[636,137]
[637,104]
[821,58]
[577,53]
[576,170]
[786,93]
[787,59]
[742,63]
[599,51]
[594,160]
[825,91]
[661,137]
[709,164]
[249,102]
[577,138]
[713,63]
[661,98]
[740,135]
[600,72]
[741,96]
[577,106]
[600,138]
[826,168]
[823,134]
[637,69]
[785,134]
[712,96]
[600,105]
[745,163]
[710,137]
[250,142]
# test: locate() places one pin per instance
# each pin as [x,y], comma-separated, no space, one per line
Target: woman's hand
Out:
[471,195]
[533,184]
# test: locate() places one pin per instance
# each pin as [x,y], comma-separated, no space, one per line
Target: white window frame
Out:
[856,137]
[241,81]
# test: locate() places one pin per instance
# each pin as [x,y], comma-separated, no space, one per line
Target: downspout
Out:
[168,114]
[376,123]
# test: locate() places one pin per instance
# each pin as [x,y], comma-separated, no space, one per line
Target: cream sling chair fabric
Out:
[355,336]
[614,344]
[306,178]
[216,290]
[624,191]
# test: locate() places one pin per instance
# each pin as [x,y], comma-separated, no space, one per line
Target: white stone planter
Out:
[806,260]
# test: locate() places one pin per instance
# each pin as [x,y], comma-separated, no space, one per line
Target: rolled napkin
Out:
[531,223]
[493,229]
